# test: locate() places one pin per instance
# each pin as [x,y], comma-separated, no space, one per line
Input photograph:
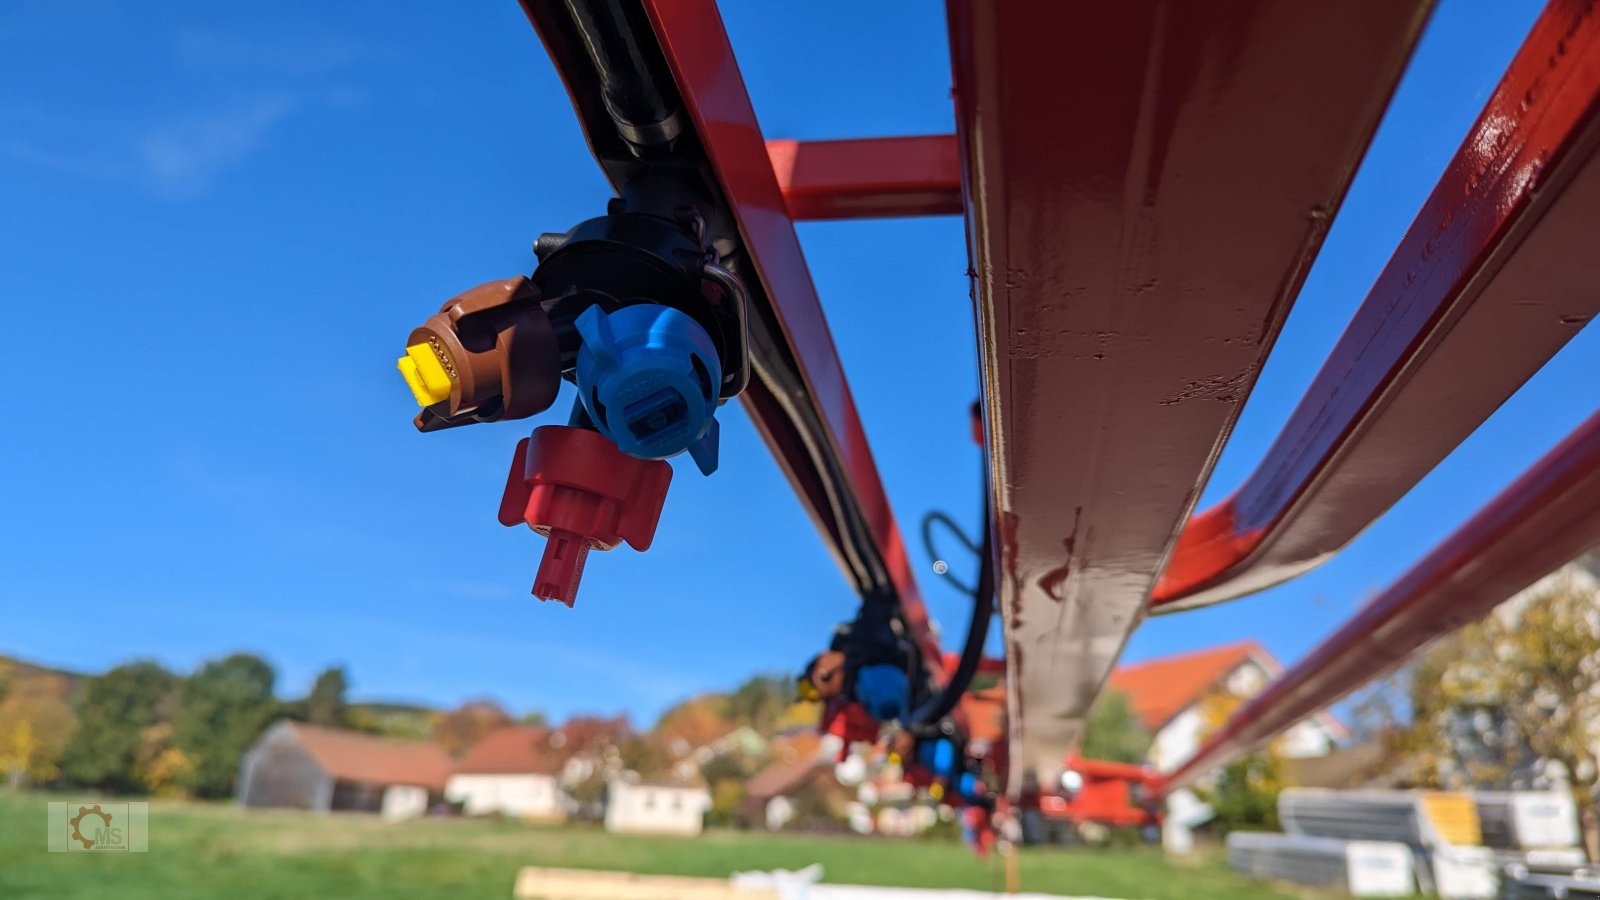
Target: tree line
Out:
[140,728]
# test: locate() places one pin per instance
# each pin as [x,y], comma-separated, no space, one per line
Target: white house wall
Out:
[1308,738]
[657,809]
[527,796]
[1177,740]
[1182,735]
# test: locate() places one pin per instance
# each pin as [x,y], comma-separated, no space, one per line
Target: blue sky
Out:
[221,221]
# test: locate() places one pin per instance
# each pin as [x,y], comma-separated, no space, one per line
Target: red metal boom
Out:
[1495,275]
[1144,198]
[1544,519]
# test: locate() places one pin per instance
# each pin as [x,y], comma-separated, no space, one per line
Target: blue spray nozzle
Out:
[649,377]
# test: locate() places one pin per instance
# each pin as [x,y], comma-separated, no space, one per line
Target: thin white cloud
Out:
[184,158]
[91,165]
[179,155]
[298,55]
[176,157]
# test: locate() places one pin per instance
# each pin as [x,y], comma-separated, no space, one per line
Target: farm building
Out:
[305,766]
[655,807]
[511,771]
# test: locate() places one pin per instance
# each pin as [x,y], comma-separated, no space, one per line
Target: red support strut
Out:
[869,178]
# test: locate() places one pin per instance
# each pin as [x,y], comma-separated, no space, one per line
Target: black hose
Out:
[942,518]
[638,90]
[927,716]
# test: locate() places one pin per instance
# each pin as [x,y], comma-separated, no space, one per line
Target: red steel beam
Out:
[871,178]
[1495,275]
[1147,184]
[696,47]
[1545,518]
[798,398]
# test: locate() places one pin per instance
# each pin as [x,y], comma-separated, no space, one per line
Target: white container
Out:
[1527,820]
[1464,873]
[1363,868]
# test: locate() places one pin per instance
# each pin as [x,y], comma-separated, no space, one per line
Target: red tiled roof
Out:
[803,743]
[511,750]
[1159,689]
[784,778]
[354,756]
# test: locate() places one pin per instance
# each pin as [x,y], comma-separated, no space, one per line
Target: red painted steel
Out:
[1545,518]
[1495,275]
[1147,185]
[869,178]
[697,50]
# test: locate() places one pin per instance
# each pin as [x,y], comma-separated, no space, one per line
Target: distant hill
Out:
[395,718]
[403,720]
[21,669]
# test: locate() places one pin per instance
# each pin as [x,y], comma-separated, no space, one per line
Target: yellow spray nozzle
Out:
[425,375]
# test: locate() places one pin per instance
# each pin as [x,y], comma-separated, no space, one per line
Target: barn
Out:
[305,766]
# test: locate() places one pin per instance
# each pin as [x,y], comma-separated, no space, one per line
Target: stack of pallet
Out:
[1520,884]
[1442,830]
[1362,868]
[1437,831]
[1457,844]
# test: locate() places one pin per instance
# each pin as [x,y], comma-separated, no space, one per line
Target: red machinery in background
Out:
[1117,795]
[1143,199]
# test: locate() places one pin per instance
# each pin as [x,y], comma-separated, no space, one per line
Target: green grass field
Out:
[210,851]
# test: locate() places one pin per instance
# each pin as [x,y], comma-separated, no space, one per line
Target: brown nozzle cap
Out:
[500,351]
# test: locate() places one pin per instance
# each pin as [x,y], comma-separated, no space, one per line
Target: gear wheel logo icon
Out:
[77,821]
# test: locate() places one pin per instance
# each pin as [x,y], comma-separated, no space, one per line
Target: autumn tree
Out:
[35,722]
[161,768]
[594,735]
[799,714]
[693,723]
[115,717]
[1114,732]
[1245,792]
[644,755]
[221,711]
[760,702]
[1503,699]
[460,728]
[727,774]
[325,705]
[727,799]
[590,751]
